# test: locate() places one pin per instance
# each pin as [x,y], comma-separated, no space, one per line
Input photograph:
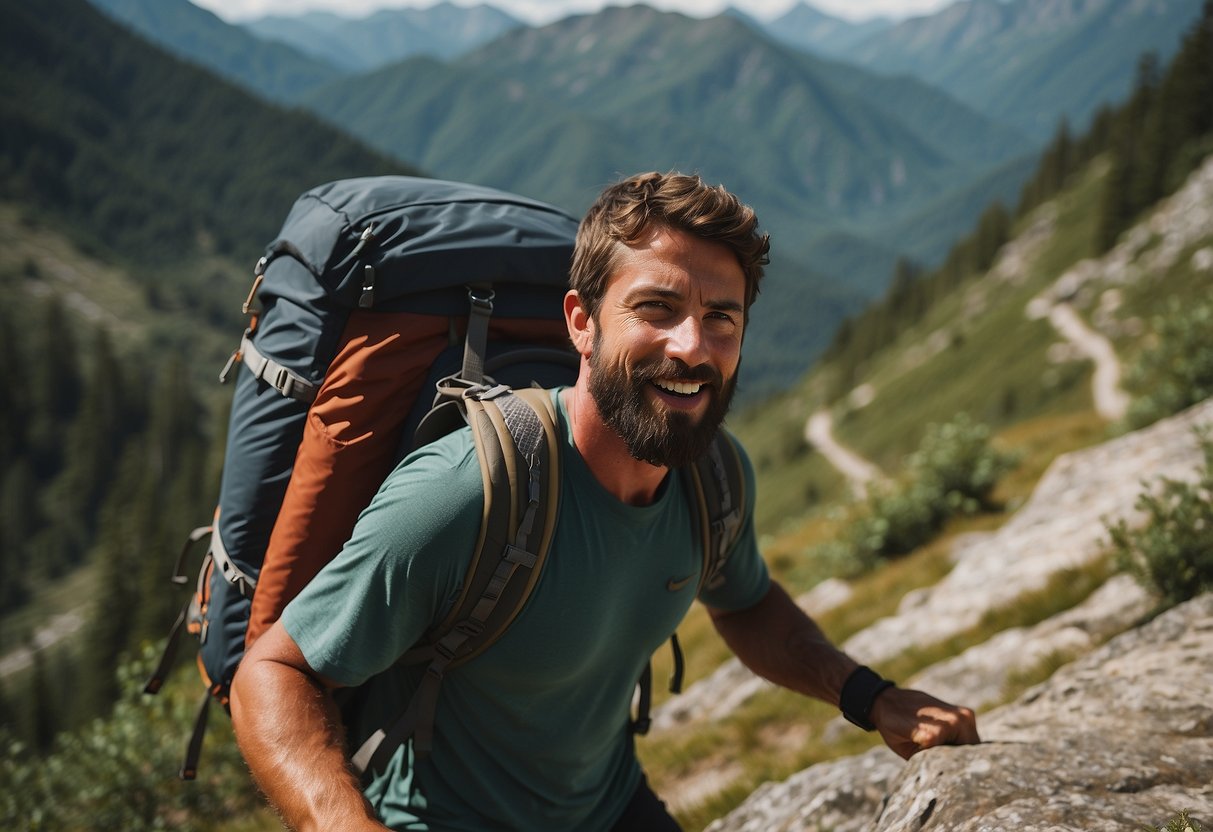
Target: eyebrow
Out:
[672,294]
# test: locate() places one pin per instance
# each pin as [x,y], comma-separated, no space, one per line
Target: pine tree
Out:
[54,384]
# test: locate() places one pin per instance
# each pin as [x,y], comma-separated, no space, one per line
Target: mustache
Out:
[674,368]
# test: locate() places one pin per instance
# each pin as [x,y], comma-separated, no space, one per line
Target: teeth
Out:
[684,388]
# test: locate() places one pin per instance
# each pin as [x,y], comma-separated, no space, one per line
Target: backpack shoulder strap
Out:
[718,485]
[517,444]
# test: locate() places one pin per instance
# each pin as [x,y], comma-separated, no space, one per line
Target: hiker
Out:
[534,733]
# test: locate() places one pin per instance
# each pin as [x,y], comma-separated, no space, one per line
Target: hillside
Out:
[1029,63]
[144,154]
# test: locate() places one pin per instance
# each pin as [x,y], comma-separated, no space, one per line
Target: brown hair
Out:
[625,211]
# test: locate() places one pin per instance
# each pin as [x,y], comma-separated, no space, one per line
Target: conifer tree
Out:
[54,384]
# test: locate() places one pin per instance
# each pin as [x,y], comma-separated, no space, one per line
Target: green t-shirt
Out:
[532,734]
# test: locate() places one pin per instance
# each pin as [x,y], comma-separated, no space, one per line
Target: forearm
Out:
[289,731]
[777,641]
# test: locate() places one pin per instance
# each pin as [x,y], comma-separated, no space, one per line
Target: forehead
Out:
[673,259]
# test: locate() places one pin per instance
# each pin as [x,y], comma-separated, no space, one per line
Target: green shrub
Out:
[1177,371]
[953,471]
[956,461]
[1172,554]
[1180,823]
[120,772]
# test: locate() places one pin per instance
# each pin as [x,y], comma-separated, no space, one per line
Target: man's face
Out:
[667,345]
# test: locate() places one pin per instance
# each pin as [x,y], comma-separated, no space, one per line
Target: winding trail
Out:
[858,471]
[1111,401]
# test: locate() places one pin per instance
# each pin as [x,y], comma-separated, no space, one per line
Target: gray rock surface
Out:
[1120,738]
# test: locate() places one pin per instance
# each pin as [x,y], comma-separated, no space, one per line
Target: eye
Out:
[721,320]
[653,308]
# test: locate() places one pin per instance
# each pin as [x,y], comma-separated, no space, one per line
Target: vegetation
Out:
[953,471]
[120,772]
[141,155]
[1182,822]
[1176,370]
[1172,554]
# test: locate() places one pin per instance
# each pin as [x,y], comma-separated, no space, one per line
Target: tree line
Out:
[104,459]
[1151,142]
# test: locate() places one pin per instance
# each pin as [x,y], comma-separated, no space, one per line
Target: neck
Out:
[632,481]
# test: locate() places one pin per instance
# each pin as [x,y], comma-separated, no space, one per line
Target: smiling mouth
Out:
[679,388]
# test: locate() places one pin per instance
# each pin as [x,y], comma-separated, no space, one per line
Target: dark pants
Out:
[646,813]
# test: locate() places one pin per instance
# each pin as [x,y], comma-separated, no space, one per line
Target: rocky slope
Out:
[1122,736]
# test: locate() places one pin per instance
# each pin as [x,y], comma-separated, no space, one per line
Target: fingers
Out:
[911,721]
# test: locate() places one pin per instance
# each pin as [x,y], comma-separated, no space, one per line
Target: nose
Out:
[686,342]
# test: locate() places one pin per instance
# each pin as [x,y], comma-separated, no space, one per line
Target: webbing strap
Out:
[719,487]
[285,381]
[156,680]
[644,703]
[189,766]
[228,568]
[476,343]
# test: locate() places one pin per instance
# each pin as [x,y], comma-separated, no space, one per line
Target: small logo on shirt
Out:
[676,584]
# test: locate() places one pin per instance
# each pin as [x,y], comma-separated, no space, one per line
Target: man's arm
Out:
[290,733]
[778,641]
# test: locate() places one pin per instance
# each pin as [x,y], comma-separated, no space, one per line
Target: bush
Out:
[1180,823]
[1178,370]
[956,461]
[120,772]
[953,471]
[1172,554]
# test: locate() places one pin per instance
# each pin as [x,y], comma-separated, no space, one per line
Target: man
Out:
[533,734]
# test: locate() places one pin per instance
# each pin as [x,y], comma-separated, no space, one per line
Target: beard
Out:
[652,433]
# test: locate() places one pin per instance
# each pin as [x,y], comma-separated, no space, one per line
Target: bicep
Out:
[279,650]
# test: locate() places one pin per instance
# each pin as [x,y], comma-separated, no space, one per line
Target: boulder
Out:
[1121,738]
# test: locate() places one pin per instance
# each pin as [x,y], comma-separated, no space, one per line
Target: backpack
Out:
[376,291]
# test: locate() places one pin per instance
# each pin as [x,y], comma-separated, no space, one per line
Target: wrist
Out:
[859,694]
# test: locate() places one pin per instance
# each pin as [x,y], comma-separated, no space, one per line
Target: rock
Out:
[979,676]
[839,796]
[1120,738]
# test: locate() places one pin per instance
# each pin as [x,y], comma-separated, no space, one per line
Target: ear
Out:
[579,322]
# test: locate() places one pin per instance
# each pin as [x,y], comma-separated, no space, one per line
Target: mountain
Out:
[386,36]
[807,28]
[556,112]
[274,70]
[1029,62]
[147,155]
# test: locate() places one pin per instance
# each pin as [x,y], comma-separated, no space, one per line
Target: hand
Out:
[910,720]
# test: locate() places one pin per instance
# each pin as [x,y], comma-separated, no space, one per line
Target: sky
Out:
[545,11]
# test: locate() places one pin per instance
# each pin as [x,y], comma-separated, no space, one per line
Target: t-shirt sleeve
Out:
[403,563]
[746,579]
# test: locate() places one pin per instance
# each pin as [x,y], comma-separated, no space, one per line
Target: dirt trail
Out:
[859,472]
[59,627]
[1111,402]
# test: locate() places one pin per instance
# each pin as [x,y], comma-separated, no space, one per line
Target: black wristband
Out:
[859,692]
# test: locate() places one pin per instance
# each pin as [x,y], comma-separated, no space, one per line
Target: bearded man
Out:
[534,734]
